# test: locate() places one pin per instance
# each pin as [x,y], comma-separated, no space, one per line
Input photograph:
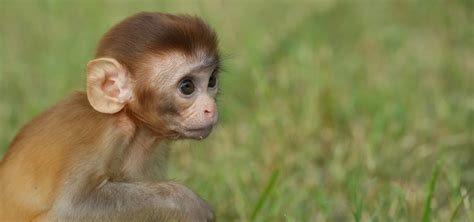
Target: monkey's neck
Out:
[139,153]
[144,138]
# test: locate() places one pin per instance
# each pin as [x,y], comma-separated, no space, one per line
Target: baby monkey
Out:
[95,155]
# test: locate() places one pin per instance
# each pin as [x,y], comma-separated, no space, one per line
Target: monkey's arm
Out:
[117,201]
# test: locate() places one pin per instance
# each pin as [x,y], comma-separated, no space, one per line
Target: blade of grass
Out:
[263,197]
[458,206]
[357,192]
[429,197]
[357,213]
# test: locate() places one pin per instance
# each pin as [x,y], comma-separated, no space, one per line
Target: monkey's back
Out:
[33,165]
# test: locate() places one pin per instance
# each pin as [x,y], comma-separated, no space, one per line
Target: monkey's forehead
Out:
[175,65]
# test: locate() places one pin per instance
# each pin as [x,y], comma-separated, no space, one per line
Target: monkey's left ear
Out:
[108,85]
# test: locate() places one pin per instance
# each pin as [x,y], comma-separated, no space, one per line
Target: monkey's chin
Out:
[197,134]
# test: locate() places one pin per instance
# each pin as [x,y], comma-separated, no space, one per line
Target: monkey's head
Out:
[161,70]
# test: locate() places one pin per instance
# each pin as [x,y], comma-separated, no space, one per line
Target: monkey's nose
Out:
[210,112]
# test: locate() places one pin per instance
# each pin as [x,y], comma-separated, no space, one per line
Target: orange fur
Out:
[38,160]
[93,157]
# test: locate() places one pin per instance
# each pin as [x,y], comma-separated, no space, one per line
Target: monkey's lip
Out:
[198,133]
[200,128]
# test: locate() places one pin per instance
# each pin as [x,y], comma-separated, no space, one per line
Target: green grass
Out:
[263,197]
[429,196]
[352,102]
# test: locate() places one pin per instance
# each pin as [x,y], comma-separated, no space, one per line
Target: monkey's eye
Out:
[186,87]
[212,81]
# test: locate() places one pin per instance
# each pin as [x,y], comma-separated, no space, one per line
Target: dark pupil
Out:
[212,81]
[186,87]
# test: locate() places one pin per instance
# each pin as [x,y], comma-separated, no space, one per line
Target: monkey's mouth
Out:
[198,133]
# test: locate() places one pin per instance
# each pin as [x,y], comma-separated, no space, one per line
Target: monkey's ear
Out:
[108,85]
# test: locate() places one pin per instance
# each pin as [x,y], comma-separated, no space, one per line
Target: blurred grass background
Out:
[330,110]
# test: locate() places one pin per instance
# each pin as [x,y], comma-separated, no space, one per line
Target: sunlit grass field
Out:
[329,110]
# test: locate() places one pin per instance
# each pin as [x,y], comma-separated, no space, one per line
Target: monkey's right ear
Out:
[108,85]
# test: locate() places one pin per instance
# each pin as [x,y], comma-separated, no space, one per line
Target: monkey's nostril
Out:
[209,113]
[208,110]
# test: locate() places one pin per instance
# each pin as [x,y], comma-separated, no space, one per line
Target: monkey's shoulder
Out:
[72,114]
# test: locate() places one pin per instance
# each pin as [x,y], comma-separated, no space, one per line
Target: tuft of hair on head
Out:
[131,40]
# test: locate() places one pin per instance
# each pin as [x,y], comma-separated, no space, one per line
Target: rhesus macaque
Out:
[95,155]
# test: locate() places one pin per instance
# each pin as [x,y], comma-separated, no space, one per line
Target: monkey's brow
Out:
[208,64]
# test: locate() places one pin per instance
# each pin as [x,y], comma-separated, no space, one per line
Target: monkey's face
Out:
[183,91]
[162,70]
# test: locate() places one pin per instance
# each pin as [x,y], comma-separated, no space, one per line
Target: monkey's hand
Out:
[134,202]
[187,205]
